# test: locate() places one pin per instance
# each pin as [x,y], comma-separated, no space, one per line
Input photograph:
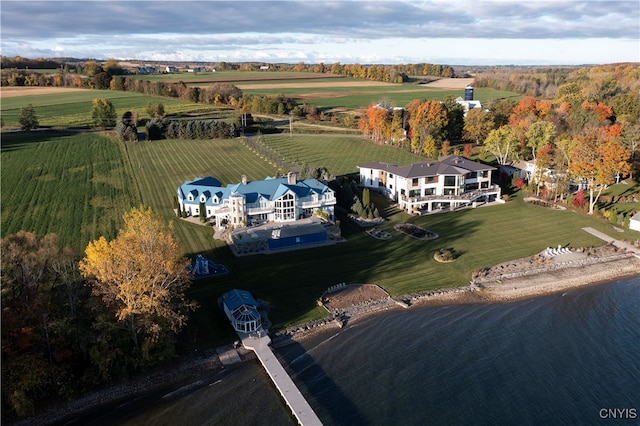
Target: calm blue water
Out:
[557,359]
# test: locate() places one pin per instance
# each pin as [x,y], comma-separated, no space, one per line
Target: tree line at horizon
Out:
[18,67]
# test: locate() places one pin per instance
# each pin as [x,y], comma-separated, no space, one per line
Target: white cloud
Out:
[504,31]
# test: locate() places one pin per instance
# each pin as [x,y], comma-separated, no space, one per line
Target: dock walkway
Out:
[289,391]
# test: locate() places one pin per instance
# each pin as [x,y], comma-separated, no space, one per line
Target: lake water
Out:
[558,359]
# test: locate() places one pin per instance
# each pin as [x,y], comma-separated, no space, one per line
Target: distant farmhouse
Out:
[468,102]
[284,199]
[450,183]
[147,70]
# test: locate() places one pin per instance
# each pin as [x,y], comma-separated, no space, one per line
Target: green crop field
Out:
[75,185]
[402,97]
[73,109]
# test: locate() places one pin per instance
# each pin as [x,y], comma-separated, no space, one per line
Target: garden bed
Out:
[378,234]
[416,231]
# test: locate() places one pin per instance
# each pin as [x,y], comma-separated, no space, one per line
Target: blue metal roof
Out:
[269,188]
[236,298]
[208,181]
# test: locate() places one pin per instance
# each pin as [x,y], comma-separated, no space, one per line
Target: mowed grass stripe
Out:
[339,154]
[162,166]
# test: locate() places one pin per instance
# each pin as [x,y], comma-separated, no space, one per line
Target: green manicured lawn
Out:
[292,281]
[626,189]
[339,154]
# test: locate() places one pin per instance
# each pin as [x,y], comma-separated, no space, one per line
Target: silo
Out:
[468,93]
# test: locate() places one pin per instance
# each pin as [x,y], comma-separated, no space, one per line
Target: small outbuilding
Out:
[242,310]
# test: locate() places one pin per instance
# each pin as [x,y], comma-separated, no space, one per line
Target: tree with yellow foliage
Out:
[141,275]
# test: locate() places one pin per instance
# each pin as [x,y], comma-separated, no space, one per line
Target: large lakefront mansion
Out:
[284,199]
[450,183]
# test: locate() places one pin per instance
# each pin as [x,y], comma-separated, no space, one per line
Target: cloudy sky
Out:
[311,31]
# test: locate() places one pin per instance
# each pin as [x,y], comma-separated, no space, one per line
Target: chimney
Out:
[291,178]
[244,179]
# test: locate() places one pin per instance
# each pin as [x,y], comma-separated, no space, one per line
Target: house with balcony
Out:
[450,183]
[284,199]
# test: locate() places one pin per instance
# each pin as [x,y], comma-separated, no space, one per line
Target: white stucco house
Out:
[284,199]
[447,184]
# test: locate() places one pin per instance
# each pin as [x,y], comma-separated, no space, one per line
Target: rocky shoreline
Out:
[559,276]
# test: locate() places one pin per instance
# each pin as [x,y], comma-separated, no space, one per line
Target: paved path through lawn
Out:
[617,243]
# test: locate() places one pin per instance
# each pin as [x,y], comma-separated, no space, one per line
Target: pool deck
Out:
[289,391]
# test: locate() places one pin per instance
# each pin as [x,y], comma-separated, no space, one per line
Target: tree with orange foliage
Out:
[603,111]
[599,162]
[141,276]
[375,123]
[426,119]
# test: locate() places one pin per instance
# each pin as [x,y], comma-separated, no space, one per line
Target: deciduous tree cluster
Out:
[63,334]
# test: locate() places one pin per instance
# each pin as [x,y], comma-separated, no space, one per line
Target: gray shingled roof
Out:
[450,165]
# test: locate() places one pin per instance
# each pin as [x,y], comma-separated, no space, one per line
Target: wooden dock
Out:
[289,391]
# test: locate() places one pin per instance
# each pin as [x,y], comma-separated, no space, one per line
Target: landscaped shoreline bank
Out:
[565,277]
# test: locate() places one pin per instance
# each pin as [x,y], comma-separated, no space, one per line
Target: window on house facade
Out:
[390,176]
[449,181]
[429,191]
[285,208]
[414,182]
[430,179]
[485,174]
